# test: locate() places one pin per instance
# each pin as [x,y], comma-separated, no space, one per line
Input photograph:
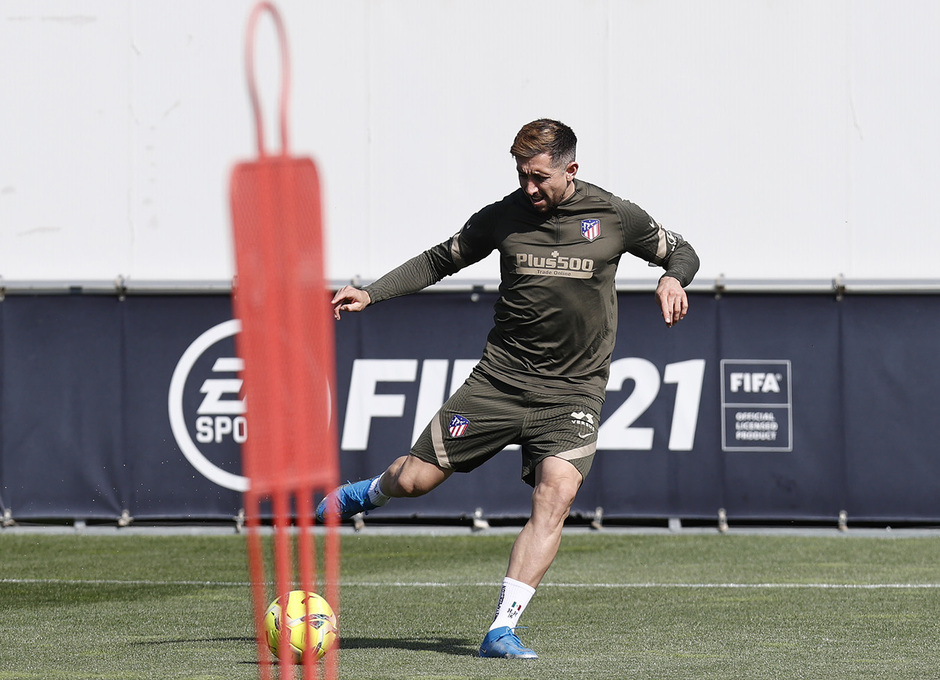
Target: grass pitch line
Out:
[627,586]
[437,584]
[118,582]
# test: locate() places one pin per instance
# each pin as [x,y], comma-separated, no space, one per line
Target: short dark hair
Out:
[545,136]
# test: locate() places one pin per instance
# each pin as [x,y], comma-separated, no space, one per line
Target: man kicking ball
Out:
[542,378]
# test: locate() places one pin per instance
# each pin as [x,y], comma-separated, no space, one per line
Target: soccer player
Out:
[542,378]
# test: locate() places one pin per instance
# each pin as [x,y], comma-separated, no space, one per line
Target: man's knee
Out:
[558,497]
[556,486]
[409,476]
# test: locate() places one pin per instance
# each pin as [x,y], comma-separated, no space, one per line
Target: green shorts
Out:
[484,416]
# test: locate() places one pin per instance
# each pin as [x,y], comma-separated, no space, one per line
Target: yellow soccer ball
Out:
[309,622]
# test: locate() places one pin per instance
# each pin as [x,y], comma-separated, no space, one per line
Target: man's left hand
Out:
[672,300]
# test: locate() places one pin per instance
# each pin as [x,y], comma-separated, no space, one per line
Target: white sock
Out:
[514,597]
[376,497]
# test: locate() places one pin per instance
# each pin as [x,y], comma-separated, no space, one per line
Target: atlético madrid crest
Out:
[590,229]
[458,425]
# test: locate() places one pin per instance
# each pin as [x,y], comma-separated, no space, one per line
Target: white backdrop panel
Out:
[786,140]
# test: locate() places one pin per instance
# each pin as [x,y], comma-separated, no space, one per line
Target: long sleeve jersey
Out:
[555,322]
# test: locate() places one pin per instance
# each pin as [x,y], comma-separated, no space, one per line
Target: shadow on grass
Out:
[443,645]
[197,641]
[190,641]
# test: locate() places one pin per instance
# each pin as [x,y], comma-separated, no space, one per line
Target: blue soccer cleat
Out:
[502,643]
[350,499]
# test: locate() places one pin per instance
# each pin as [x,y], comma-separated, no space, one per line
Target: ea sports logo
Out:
[218,420]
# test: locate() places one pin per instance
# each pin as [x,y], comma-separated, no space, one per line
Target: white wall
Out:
[784,139]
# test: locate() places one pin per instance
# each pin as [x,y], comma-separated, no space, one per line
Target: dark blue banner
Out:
[773,407]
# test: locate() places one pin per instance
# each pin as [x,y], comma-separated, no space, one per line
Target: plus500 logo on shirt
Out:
[554,264]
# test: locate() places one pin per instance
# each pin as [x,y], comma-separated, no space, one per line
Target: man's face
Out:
[544,184]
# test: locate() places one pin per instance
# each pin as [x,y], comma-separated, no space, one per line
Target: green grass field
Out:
[614,605]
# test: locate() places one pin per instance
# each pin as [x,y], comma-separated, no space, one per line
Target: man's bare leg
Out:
[407,476]
[556,484]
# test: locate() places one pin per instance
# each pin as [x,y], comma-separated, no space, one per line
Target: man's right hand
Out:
[349,299]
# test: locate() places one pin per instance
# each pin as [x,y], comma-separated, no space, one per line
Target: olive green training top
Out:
[555,321]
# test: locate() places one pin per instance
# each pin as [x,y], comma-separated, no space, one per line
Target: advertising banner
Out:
[772,407]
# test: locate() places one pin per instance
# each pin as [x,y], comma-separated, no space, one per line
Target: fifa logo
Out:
[755,382]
